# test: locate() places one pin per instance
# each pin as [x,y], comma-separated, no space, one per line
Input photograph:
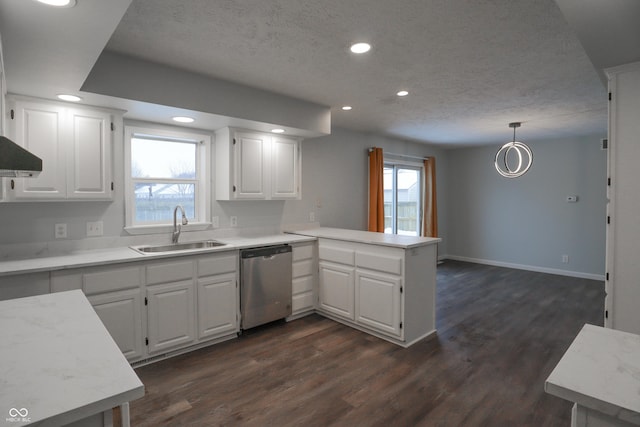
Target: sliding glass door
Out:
[402,199]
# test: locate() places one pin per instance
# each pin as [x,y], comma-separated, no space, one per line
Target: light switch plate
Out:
[95,229]
[61,231]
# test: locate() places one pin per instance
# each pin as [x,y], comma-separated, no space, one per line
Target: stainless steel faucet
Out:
[177,227]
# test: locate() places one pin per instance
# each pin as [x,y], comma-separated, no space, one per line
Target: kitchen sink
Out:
[205,244]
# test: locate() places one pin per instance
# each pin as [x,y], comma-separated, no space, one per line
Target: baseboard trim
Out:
[535,268]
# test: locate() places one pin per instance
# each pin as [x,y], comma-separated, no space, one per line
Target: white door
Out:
[336,289]
[250,173]
[378,302]
[89,174]
[171,315]
[217,306]
[285,168]
[121,314]
[39,128]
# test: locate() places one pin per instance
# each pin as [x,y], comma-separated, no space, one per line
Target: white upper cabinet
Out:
[256,166]
[285,168]
[250,164]
[89,151]
[74,145]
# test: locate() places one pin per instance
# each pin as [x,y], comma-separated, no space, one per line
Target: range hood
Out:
[15,161]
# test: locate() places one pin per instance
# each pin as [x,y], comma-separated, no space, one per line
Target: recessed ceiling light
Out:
[277,130]
[360,47]
[347,107]
[402,93]
[183,119]
[58,3]
[70,98]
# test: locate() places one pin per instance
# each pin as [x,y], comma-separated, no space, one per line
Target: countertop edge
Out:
[359,236]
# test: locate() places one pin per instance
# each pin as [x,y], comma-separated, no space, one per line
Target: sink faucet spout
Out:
[177,228]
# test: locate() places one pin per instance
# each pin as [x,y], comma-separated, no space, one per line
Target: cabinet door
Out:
[336,289]
[121,314]
[217,306]
[250,174]
[39,128]
[285,168]
[378,302]
[89,155]
[170,315]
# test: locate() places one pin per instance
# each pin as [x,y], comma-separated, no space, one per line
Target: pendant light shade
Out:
[514,158]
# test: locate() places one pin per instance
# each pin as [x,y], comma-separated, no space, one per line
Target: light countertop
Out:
[58,361]
[368,237]
[601,371]
[122,254]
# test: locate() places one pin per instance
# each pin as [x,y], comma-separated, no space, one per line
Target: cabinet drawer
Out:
[210,266]
[169,272]
[302,284]
[302,252]
[302,268]
[388,263]
[336,254]
[109,280]
[302,302]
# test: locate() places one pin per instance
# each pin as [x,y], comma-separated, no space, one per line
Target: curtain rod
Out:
[402,155]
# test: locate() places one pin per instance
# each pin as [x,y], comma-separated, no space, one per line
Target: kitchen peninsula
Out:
[378,283]
[383,284]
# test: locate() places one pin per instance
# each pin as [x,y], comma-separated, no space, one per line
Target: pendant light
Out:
[511,151]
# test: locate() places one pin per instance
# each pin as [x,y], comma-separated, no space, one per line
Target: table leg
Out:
[124,414]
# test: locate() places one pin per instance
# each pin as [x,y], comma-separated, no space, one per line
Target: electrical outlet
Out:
[61,231]
[234,221]
[95,229]
[312,216]
[215,221]
[565,259]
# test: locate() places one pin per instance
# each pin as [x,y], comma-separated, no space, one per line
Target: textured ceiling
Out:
[471,66]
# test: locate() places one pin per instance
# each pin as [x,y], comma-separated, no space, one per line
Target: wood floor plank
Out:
[500,333]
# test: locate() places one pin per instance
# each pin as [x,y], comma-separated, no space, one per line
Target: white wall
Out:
[526,221]
[335,170]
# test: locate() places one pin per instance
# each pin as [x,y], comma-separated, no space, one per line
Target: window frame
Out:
[202,205]
[402,164]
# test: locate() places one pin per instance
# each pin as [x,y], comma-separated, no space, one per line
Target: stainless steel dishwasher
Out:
[265,285]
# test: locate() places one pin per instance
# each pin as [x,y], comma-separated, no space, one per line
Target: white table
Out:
[59,365]
[600,372]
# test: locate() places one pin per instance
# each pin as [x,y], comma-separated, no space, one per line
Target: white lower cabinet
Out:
[24,285]
[170,316]
[303,279]
[378,302]
[115,292]
[161,306]
[217,306]
[365,286]
[335,293]
[121,313]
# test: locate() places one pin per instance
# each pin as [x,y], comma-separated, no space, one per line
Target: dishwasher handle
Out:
[267,252]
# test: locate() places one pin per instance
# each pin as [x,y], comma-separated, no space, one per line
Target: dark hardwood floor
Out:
[500,333]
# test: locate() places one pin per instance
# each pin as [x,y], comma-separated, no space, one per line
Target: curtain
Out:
[430,214]
[376,190]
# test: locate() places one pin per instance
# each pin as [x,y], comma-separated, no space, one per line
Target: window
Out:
[165,168]
[402,199]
